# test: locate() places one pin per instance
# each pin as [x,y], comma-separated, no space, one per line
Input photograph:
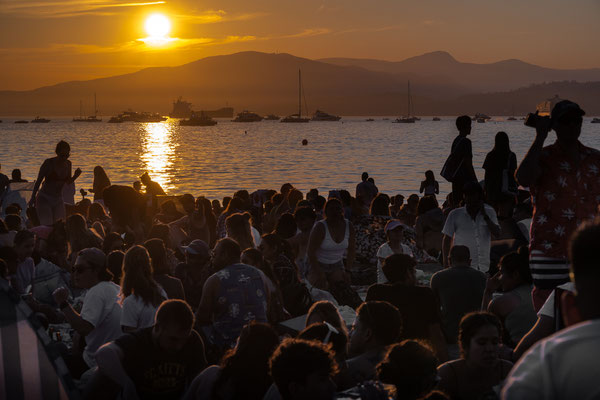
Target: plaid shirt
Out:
[563,197]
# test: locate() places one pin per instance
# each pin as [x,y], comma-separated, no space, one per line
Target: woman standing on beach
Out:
[54,173]
[100,183]
[500,165]
[430,186]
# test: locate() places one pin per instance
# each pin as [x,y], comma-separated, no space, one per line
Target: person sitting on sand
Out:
[152,188]
[480,368]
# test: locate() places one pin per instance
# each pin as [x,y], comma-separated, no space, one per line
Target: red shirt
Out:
[563,197]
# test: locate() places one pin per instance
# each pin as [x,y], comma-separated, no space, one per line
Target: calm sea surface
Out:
[216,161]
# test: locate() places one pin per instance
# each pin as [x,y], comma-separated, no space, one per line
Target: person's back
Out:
[523,317]
[416,304]
[241,299]
[459,291]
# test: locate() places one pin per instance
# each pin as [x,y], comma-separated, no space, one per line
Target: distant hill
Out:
[440,66]
[268,83]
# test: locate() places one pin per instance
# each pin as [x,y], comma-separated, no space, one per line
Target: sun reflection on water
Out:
[158,152]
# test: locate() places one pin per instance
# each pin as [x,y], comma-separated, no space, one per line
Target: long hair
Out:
[158,254]
[238,229]
[101,181]
[247,366]
[137,277]
[78,234]
[500,152]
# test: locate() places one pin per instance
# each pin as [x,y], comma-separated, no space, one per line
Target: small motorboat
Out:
[38,120]
[436,119]
[595,121]
[21,121]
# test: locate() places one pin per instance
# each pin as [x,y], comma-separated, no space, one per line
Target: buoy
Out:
[304,142]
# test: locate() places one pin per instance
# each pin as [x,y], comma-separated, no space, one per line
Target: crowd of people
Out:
[492,294]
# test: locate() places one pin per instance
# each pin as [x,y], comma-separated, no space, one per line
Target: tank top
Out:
[330,251]
[522,318]
[241,299]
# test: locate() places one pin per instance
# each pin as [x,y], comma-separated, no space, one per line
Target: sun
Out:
[158,27]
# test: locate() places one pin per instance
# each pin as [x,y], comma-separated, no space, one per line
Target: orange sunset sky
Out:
[46,42]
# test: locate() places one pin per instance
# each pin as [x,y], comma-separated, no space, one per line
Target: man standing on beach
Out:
[460,163]
[471,226]
[564,181]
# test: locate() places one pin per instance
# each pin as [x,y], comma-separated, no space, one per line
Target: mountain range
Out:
[268,83]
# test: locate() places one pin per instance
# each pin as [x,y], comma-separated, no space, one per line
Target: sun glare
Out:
[157,26]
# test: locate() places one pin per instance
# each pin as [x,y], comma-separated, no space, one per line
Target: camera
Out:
[533,118]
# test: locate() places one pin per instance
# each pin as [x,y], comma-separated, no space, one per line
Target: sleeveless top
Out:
[241,299]
[522,318]
[53,182]
[331,252]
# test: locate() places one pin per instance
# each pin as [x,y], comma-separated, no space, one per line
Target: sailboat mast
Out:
[408,98]
[299,93]
[80,109]
[95,108]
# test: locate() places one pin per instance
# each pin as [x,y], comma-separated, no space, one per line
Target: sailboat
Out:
[512,117]
[408,119]
[297,117]
[91,118]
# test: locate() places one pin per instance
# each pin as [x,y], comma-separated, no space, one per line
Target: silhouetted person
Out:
[152,187]
[462,155]
[500,165]
[100,183]
[16,176]
[54,174]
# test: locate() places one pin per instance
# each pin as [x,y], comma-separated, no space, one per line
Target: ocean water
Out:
[216,161]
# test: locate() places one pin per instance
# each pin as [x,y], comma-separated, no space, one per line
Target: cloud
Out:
[307,33]
[215,16]
[67,8]
[367,30]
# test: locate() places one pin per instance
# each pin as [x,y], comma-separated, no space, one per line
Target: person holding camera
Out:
[563,179]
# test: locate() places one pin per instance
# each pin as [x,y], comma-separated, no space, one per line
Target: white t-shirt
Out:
[136,313]
[562,366]
[385,251]
[475,234]
[101,308]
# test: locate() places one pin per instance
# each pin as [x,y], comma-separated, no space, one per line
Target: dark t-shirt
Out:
[459,291]
[158,374]
[461,147]
[416,304]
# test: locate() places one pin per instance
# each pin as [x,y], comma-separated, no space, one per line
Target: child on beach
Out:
[430,186]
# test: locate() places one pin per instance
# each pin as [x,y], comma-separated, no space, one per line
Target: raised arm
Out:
[530,170]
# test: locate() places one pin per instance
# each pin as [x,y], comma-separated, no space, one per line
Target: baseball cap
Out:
[565,107]
[198,248]
[393,224]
